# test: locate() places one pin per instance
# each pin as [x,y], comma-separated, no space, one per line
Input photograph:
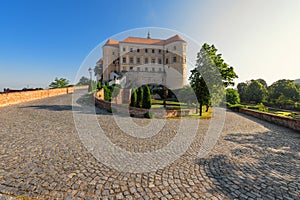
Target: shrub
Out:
[107,93]
[139,97]
[99,85]
[133,99]
[146,98]
[262,108]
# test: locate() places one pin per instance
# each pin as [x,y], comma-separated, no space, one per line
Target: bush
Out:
[262,108]
[149,115]
[140,95]
[107,93]
[99,85]
[133,99]
[146,98]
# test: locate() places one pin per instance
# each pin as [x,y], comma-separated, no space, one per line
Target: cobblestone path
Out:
[42,157]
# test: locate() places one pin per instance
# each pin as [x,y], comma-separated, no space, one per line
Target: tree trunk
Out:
[200,109]
[207,107]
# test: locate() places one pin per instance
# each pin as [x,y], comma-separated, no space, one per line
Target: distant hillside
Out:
[297,80]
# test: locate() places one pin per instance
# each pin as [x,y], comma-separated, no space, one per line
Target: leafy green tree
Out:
[146,97]
[255,92]
[133,100]
[241,87]
[232,96]
[107,93]
[283,90]
[208,65]
[99,85]
[83,81]
[59,83]
[263,82]
[140,95]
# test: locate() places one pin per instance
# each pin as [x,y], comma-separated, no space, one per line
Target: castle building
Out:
[144,60]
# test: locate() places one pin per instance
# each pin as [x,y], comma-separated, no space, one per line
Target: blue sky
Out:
[41,40]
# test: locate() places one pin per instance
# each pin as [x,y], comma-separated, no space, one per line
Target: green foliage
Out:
[146,102]
[59,83]
[255,92]
[232,96]
[139,101]
[284,92]
[133,99]
[107,93]
[262,108]
[99,85]
[149,115]
[83,81]
[208,65]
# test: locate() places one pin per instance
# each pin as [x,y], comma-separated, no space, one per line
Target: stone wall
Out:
[19,97]
[279,120]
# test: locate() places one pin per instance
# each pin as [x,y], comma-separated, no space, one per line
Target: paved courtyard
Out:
[42,157]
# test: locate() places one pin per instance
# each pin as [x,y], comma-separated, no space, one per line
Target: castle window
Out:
[146,69]
[113,53]
[131,49]
[153,50]
[124,49]
[153,69]
[138,50]
[159,50]
[146,50]
[138,60]
[174,59]
[167,61]
[131,60]
[159,61]
[152,60]
[167,51]
[131,68]
[124,60]
[146,60]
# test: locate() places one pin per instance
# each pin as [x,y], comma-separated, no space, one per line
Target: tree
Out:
[241,87]
[99,85]
[59,83]
[84,81]
[186,95]
[263,82]
[232,96]
[133,100]
[255,91]
[284,90]
[208,65]
[140,95]
[146,97]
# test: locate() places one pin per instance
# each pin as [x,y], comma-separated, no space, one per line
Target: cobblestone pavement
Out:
[42,157]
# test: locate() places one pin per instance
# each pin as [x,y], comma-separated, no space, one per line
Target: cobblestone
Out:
[43,157]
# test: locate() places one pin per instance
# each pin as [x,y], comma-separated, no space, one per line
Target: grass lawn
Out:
[170,104]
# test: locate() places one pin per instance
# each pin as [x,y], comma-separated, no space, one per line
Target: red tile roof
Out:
[137,40]
[112,42]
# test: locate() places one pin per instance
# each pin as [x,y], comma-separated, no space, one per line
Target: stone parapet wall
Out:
[279,120]
[23,96]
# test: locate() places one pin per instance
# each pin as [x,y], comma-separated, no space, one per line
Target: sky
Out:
[41,40]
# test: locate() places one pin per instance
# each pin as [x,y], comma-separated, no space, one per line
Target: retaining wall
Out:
[279,120]
[23,96]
